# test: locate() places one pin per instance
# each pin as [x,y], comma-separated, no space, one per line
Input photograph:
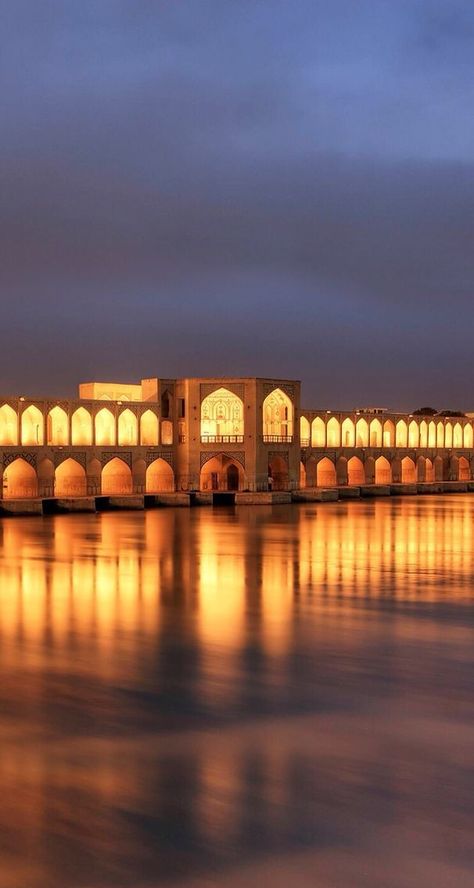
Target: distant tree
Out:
[425,411]
[451,413]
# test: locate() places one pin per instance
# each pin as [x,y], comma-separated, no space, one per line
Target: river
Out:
[238,697]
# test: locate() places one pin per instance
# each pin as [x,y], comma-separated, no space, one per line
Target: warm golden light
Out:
[277,415]
[222,416]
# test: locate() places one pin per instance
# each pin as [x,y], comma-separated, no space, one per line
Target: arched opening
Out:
[348,433]
[20,480]
[311,472]
[116,477]
[333,432]
[305,431]
[355,471]
[104,427]
[159,477]
[376,433]
[432,434]
[440,435]
[389,433]
[215,474]
[127,428]
[448,435]
[468,437]
[362,433]
[166,405]
[439,469]
[318,432]
[383,471]
[70,479]
[166,432]
[222,418]
[277,417]
[149,428]
[8,426]
[429,471]
[32,426]
[326,473]
[413,434]
[423,433]
[302,475]
[278,474]
[401,434]
[457,435]
[81,427]
[464,469]
[57,425]
[408,471]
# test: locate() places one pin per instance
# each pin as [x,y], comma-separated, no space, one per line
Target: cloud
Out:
[229,190]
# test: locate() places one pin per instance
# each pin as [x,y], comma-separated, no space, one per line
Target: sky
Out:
[239,187]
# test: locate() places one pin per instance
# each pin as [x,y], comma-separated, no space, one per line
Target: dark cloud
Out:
[245,187]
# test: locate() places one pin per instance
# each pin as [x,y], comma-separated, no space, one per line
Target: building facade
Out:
[216,434]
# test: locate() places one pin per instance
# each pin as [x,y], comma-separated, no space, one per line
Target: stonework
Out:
[244,434]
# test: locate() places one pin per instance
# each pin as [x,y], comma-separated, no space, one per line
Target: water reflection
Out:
[238,697]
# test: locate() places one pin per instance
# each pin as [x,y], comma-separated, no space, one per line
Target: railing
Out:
[304,442]
[278,439]
[222,439]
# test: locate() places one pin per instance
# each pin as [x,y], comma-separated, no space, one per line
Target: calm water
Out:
[215,698]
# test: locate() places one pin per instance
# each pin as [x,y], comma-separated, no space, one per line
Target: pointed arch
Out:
[70,479]
[423,433]
[105,427]
[222,418]
[278,471]
[278,415]
[440,434]
[333,433]
[376,433]
[355,471]
[389,433]
[362,433]
[413,434]
[448,435]
[432,434]
[8,426]
[159,477]
[57,425]
[457,435]
[305,431]
[401,434]
[221,472]
[408,471]
[383,471]
[468,436]
[116,477]
[127,428]
[149,428]
[326,473]
[348,433]
[318,432]
[464,469]
[32,426]
[20,480]
[81,427]
[429,471]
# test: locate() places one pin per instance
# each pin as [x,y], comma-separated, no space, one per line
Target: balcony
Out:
[222,439]
[278,439]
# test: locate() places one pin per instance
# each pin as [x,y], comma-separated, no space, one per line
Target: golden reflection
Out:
[91,581]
